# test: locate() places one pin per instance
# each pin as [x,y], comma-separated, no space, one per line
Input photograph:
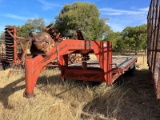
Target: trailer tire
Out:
[3,66]
[131,70]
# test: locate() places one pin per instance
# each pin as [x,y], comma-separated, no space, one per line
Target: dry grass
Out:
[132,99]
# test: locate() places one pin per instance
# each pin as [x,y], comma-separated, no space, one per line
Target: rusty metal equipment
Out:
[153,43]
[10,44]
[50,45]
[101,70]
[10,47]
[40,43]
[15,51]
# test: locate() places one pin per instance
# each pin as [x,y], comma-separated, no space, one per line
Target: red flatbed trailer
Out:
[105,69]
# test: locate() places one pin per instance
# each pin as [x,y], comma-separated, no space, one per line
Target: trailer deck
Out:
[121,62]
[92,71]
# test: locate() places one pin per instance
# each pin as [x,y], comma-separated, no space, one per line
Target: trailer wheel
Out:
[131,70]
[3,66]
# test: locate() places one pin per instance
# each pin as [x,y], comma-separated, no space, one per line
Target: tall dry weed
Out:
[70,100]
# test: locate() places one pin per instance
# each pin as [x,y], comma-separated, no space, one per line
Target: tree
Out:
[31,25]
[2,36]
[135,37]
[82,16]
[115,37]
[37,23]
[131,38]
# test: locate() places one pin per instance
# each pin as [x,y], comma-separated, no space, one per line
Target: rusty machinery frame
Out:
[13,43]
[15,51]
[102,50]
[153,43]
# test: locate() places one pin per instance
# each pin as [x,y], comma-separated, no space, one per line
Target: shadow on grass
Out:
[42,83]
[56,80]
[13,87]
[131,97]
[8,90]
[64,86]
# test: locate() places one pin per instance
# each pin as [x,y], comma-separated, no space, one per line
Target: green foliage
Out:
[30,25]
[114,37]
[82,16]
[25,29]
[131,38]
[135,37]
[2,37]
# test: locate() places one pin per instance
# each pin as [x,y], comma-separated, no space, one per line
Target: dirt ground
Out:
[132,97]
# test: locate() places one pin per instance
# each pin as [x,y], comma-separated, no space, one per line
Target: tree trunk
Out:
[136,52]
